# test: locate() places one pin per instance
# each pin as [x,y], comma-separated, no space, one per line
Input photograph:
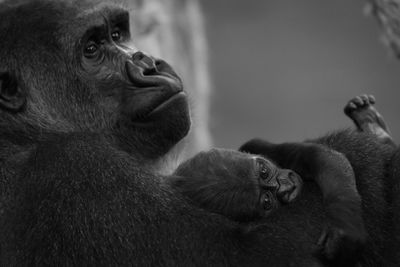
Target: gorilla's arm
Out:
[333,173]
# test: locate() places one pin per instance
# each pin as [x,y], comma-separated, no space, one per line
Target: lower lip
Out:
[167,103]
[151,116]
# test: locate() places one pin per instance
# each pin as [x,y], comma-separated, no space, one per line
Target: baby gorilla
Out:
[238,185]
[249,186]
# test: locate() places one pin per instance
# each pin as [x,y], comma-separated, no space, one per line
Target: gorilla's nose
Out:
[287,188]
[144,71]
[145,62]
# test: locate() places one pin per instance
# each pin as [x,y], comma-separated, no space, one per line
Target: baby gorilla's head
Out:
[238,185]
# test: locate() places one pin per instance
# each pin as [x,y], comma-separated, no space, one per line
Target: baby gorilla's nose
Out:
[289,186]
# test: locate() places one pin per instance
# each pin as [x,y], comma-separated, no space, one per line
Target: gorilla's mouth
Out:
[167,103]
[156,106]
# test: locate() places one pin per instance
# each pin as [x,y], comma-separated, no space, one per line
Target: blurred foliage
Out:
[388,14]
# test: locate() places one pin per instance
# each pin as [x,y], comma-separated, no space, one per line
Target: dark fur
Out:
[371,161]
[377,175]
[232,183]
[220,181]
[376,168]
[76,190]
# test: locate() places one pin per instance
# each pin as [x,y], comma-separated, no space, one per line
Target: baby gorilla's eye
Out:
[116,35]
[268,202]
[263,169]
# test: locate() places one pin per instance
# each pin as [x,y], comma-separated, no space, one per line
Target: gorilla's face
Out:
[89,77]
[146,92]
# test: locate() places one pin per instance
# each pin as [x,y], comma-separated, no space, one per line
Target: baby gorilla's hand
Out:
[235,184]
[343,238]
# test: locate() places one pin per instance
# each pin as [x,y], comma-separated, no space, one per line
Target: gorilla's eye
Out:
[91,50]
[116,35]
[264,170]
[268,202]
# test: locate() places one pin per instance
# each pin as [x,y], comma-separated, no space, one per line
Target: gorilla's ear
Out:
[12,98]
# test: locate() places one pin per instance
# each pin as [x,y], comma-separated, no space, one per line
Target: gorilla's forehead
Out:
[46,21]
[102,15]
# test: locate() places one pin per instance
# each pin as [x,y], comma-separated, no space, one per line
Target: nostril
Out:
[138,56]
[148,61]
[150,71]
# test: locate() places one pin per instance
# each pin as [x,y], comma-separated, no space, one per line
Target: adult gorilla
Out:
[84,118]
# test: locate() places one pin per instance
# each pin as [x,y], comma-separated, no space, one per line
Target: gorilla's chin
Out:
[170,121]
[179,99]
[162,129]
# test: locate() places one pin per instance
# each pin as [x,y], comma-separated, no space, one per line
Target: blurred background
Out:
[283,69]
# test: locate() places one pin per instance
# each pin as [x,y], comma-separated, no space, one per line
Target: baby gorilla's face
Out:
[276,186]
[238,185]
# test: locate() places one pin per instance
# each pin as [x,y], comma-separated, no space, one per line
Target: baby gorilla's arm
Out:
[238,185]
[345,233]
